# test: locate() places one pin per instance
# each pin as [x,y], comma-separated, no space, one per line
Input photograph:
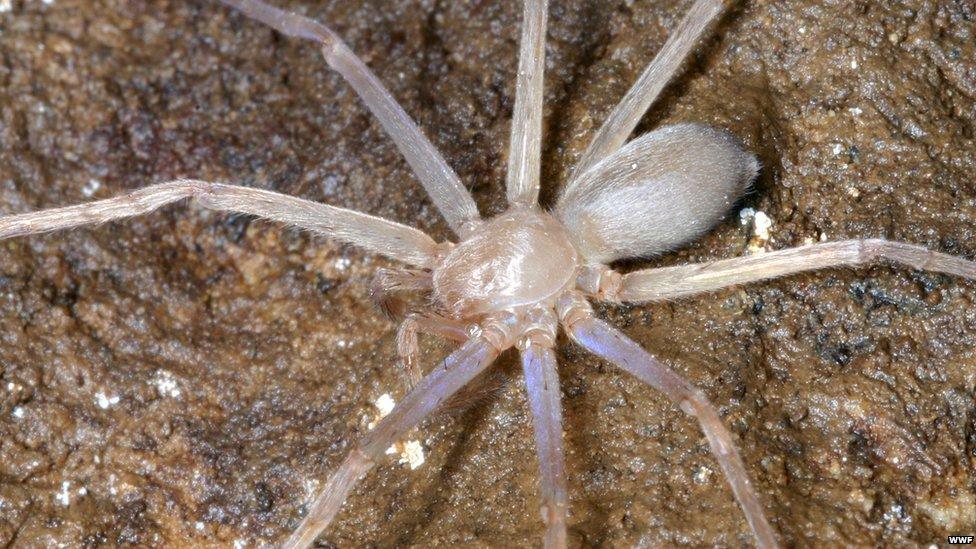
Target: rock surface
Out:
[186,378]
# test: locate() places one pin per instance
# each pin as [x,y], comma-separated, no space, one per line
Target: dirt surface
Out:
[186,378]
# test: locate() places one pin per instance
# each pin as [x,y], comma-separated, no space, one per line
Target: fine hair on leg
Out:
[440,181]
[686,280]
[371,233]
[626,115]
[542,385]
[607,342]
[525,145]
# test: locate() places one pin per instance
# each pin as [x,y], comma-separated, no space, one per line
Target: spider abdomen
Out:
[518,258]
[661,190]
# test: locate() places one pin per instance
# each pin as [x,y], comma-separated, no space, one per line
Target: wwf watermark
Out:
[961,540]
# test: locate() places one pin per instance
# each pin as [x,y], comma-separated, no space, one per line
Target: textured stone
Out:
[188,377]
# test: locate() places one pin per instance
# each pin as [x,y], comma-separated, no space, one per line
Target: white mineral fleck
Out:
[104,401]
[761,225]
[166,384]
[385,405]
[64,496]
[413,454]
[91,187]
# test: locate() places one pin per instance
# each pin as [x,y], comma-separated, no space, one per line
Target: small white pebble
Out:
[199,526]
[342,263]
[18,412]
[239,544]
[82,491]
[413,454]
[311,487]
[64,496]
[166,384]
[746,215]
[856,111]
[104,401]
[854,63]
[6,5]
[91,187]
[384,404]
[837,148]
[702,474]
[761,225]
[11,386]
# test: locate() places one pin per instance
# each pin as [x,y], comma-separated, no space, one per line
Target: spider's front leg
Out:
[441,182]
[612,345]
[371,233]
[685,280]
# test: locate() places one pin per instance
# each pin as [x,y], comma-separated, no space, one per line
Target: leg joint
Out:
[500,330]
[572,307]
[600,281]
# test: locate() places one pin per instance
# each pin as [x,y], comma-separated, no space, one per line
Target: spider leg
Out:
[542,384]
[454,372]
[685,280]
[625,116]
[441,182]
[526,134]
[368,232]
[612,345]
[387,282]
[408,347]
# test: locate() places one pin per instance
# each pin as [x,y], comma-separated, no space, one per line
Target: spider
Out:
[513,277]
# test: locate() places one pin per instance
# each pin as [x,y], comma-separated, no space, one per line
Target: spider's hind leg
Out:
[600,338]
[542,384]
[454,372]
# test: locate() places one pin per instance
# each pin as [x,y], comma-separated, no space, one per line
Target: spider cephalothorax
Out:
[518,259]
[513,280]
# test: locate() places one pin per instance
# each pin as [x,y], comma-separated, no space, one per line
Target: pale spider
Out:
[512,280]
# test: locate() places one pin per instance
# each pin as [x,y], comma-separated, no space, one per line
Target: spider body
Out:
[516,259]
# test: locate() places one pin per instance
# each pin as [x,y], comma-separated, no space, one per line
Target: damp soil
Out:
[188,378]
